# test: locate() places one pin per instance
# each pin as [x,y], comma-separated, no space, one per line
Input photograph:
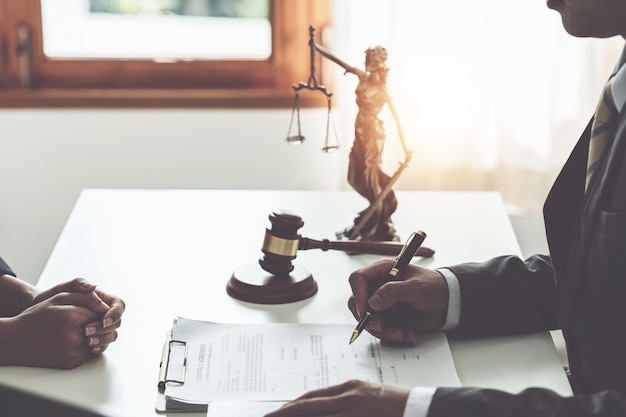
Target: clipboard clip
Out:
[165,364]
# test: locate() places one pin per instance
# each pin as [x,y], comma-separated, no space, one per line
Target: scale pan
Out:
[295,140]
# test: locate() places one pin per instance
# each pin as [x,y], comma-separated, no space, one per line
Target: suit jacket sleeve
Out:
[5,269]
[534,402]
[506,295]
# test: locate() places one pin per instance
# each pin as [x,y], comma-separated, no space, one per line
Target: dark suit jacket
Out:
[4,268]
[580,288]
[18,403]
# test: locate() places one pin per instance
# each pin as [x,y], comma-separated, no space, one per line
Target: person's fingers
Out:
[400,324]
[117,307]
[96,328]
[351,398]
[396,292]
[50,333]
[97,350]
[75,285]
[365,281]
[398,336]
[108,298]
[319,402]
[88,300]
[99,343]
[78,285]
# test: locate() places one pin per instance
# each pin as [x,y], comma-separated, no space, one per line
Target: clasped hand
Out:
[64,326]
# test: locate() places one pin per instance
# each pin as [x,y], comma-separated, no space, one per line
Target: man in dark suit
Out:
[58,328]
[580,288]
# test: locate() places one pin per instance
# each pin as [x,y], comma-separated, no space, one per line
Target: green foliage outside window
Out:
[258,9]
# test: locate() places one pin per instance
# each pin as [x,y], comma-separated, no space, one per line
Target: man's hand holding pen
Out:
[401,306]
[417,303]
[403,260]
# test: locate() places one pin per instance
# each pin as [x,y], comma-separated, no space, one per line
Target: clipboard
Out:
[205,362]
[172,368]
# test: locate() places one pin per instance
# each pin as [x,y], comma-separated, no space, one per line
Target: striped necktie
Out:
[604,122]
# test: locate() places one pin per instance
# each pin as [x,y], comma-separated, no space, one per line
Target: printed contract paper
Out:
[281,361]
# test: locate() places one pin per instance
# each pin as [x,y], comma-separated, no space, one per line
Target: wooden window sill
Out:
[156,98]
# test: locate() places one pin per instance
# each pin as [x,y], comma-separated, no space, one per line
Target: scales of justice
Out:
[275,279]
[365,173]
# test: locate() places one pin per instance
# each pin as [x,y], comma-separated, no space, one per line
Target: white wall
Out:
[48,156]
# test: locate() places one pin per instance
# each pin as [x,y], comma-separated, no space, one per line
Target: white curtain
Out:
[492,94]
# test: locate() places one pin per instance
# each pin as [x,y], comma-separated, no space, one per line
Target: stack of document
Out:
[207,361]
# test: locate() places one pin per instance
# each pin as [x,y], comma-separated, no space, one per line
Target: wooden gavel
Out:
[282,242]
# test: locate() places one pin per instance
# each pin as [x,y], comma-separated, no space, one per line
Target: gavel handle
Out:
[359,246]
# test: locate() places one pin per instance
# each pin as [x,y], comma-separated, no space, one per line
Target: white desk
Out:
[171,252]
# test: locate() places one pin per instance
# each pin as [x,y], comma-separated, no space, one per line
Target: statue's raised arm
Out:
[327,53]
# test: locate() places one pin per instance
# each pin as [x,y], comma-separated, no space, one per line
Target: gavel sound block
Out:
[276,280]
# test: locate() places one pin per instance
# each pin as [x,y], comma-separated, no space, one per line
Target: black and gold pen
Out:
[407,253]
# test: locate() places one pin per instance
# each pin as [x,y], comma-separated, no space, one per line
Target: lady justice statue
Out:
[365,173]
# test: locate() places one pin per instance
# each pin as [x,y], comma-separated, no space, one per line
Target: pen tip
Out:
[355,334]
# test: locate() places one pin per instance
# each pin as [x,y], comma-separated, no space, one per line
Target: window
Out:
[157,29]
[267,52]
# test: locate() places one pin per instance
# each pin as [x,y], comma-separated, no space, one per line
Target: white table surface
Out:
[170,253]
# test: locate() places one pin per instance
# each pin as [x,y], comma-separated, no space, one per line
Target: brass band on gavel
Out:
[280,246]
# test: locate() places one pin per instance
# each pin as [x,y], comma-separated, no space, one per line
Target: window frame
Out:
[30,79]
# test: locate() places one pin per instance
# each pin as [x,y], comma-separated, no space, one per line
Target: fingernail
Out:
[96,349]
[375,326]
[90,330]
[84,283]
[375,301]
[94,341]
[107,322]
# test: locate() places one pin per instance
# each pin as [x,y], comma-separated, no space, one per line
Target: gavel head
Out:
[281,242]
